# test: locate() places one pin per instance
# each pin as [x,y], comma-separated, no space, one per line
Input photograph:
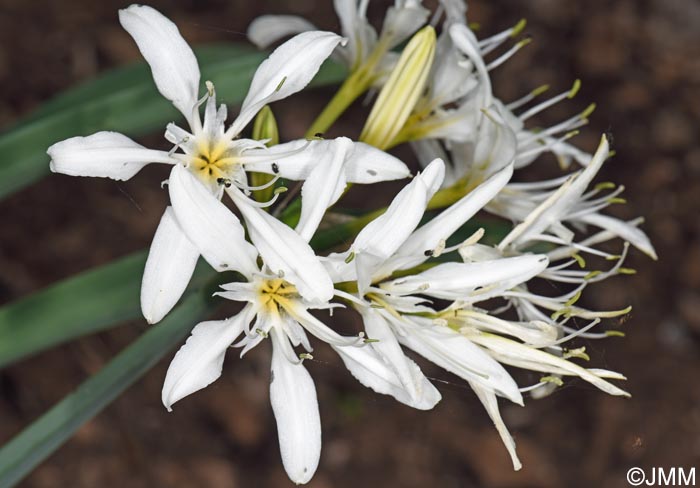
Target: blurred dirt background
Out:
[639,60]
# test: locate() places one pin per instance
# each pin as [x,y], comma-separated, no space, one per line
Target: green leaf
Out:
[83,304]
[23,453]
[123,100]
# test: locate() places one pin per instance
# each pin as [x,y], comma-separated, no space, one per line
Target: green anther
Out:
[613,257]
[370,341]
[524,42]
[614,333]
[573,299]
[627,271]
[279,87]
[592,274]
[617,200]
[579,353]
[589,110]
[572,133]
[605,185]
[579,259]
[350,257]
[261,332]
[559,313]
[575,88]
[612,153]
[518,28]
[281,189]
[552,379]
[475,26]
[539,90]
[305,355]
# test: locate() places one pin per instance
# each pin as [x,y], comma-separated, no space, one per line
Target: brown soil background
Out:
[639,60]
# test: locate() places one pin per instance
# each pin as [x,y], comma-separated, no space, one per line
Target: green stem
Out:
[354,86]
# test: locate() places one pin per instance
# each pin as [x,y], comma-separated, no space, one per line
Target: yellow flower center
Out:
[275,293]
[213,163]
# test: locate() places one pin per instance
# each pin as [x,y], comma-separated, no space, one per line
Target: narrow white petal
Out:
[199,361]
[296,160]
[268,29]
[631,233]
[420,390]
[104,154]
[173,64]
[457,354]
[294,403]
[284,250]
[520,355]
[370,369]
[210,226]
[490,402]
[169,267]
[385,234]
[289,68]
[322,189]
[318,328]
[460,280]
[444,225]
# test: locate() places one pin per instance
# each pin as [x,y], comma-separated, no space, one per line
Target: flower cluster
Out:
[416,280]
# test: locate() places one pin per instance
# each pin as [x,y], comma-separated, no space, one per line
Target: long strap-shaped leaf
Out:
[23,453]
[89,302]
[123,100]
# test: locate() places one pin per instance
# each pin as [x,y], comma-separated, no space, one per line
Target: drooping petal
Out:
[420,390]
[173,64]
[490,403]
[289,68]
[296,160]
[169,267]
[268,29]
[402,20]
[294,403]
[631,233]
[104,154]
[370,369]
[210,226]
[322,189]
[460,281]
[199,361]
[283,250]
[457,354]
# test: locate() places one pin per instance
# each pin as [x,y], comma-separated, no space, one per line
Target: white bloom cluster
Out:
[415,282]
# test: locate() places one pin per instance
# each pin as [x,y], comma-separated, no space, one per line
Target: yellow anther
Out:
[614,333]
[579,259]
[552,379]
[575,88]
[518,28]
[588,111]
[539,90]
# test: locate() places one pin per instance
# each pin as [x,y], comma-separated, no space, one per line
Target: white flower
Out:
[278,296]
[209,150]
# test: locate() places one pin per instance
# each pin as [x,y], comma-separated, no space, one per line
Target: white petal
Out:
[420,390]
[370,369]
[320,330]
[209,225]
[268,29]
[402,21]
[289,68]
[488,399]
[458,281]
[294,403]
[169,267]
[284,250]
[322,189]
[457,354]
[199,361]
[173,64]
[554,208]
[444,225]
[520,355]
[631,233]
[364,163]
[104,154]
[385,234]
